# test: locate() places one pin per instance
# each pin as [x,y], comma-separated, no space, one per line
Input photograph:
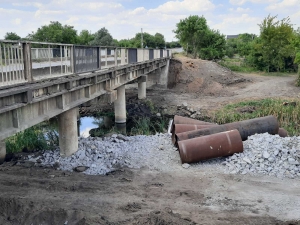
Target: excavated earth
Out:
[36,193]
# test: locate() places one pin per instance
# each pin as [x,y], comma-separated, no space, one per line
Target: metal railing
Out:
[11,64]
[22,62]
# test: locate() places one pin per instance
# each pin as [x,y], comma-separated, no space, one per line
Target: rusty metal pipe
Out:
[246,128]
[211,146]
[185,120]
[282,132]
[180,128]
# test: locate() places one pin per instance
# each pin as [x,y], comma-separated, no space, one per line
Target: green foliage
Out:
[237,64]
[150,104]
[173,44]
[102,38]
[55,32]
[190,32]
[149,41]
[12,36]
[147,126]
[197,38]
[287,114]
[142,127]
[39,137]
[275,44]
[215,45]
[85,37]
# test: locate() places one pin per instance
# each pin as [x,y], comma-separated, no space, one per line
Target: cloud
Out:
[240,10]
[236,24]
[184,6]
[23,17]
[241,2]
[293,4]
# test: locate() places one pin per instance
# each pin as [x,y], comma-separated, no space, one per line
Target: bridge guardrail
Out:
[23,61]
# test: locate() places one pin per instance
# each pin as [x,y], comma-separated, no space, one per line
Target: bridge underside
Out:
[24,106]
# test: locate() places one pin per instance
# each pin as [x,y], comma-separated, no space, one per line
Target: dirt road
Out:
[47,196]
[32,195]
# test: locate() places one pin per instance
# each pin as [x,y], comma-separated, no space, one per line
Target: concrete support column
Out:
[120,105]
[68,135]
[142,86]
[142,90]
[2,151]
[163,80]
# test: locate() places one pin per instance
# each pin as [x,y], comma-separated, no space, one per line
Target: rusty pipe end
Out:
[282,132]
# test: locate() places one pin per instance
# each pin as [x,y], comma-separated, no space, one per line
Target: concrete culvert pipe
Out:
[211,146]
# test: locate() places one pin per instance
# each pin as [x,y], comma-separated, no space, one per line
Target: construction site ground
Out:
[38,195]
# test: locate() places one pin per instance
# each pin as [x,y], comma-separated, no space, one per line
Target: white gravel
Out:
[105,155]
[263,154]
[267,154]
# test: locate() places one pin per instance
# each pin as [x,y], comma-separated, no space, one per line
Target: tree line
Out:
[55,32]
[275,49]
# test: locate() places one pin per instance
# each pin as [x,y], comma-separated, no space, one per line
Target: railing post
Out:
[98,58]
[73,59]
[116,57]
[27,62]
[105,57]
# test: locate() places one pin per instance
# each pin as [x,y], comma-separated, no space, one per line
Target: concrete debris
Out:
[186,165]
[267,154]
[101,156]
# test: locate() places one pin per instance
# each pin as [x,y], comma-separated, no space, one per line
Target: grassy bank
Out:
[39,137]
[237,65]
[286,111]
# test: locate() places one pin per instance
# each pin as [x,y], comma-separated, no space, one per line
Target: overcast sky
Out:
[125,18]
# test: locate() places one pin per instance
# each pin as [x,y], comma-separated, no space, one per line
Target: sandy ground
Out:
[31,195]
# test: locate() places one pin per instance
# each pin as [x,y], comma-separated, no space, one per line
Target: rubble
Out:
[267,154]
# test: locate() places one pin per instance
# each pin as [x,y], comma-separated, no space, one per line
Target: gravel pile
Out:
[263,154]
[101,156]
[267,154]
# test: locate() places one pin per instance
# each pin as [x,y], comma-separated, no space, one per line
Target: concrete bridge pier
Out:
[142,86]
[68,134]
[2,151]
[120,105]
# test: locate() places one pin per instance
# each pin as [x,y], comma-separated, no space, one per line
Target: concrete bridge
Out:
[43,80]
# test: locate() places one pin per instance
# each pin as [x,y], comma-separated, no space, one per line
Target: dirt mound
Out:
[205,78]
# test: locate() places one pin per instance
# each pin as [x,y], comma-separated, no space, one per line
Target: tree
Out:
[296,45]
[214,46]
[276,39]
[12,36]
[159,40]
[191,32]
[244,43]
[103,38]
[85,37]
[55,32]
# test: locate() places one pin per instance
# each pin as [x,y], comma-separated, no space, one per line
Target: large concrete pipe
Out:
[268,124]
[68,139]
[206,147]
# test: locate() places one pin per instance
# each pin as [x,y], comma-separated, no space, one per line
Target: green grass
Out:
[237,65]
[288,115]
[39,137]
[147,126]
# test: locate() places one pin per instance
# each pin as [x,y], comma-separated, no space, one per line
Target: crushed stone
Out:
[264,154]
